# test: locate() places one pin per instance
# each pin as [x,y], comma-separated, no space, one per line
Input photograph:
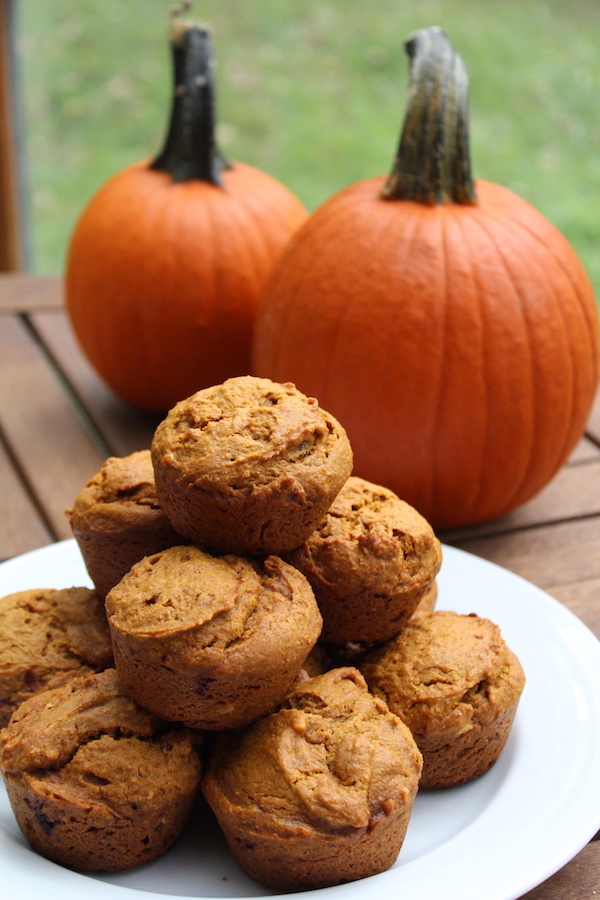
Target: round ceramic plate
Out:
[493,839]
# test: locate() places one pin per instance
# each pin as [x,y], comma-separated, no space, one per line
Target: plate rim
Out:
[456,560]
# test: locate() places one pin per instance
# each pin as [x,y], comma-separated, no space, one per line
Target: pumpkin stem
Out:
[433,163]
[190,150]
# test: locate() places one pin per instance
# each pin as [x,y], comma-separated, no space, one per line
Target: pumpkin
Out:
[168,260]
[445,322]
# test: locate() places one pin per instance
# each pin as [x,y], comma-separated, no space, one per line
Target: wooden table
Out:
[58,422]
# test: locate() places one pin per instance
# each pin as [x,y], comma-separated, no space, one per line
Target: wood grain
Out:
[550,556]
[20,293]
[122,427]
[573,493]
[54,452]
[23,528]
[585,451]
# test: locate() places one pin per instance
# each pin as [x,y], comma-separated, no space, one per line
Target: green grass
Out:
[314,94]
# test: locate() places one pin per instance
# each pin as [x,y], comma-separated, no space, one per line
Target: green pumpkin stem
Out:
[190,150]
[433,163]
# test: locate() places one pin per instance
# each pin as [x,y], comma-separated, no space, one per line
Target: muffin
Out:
[352,652]
[321,791]
[209,641]
[116,519]
[94,781]
[370,561]
[249,466]
[48,637]
[452,679]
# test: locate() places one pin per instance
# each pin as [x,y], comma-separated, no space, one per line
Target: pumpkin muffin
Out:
[352,652]
[321,791]
[209,641]
[94,781]
[452,679]
[249,466]
[370,562]
[48,637]
[116,519]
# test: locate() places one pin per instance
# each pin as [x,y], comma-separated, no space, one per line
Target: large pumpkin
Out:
[449,326]
[169,259]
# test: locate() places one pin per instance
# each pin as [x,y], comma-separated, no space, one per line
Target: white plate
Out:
[493,839]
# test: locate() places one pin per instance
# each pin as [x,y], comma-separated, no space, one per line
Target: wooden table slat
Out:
[573,493]
[585,451]
[54,451]
[122,427]
[550,556]
[21,292]
[22,527]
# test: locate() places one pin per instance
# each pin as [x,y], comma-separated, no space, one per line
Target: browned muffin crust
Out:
[456,684]
[116,519]
[353,652]
[48,637]
[370,562]
[94,781]
[211,641]
[249,466]
[321,791]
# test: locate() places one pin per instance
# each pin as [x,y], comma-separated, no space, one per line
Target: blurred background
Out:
[312,92]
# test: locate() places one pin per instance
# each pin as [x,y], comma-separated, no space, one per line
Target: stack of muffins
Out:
[263,630]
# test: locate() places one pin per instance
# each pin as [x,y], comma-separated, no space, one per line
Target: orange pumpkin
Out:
[448,325]
[169,259]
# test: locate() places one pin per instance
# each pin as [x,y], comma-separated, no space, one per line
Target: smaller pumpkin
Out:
[446,324]
[168,261]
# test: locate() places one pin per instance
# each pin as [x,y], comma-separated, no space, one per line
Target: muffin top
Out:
[249,431]
[53,628]
[214,601]
[87,741]
[121,491]
[369,540]
[445,670]
[47,636]
[331,757]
